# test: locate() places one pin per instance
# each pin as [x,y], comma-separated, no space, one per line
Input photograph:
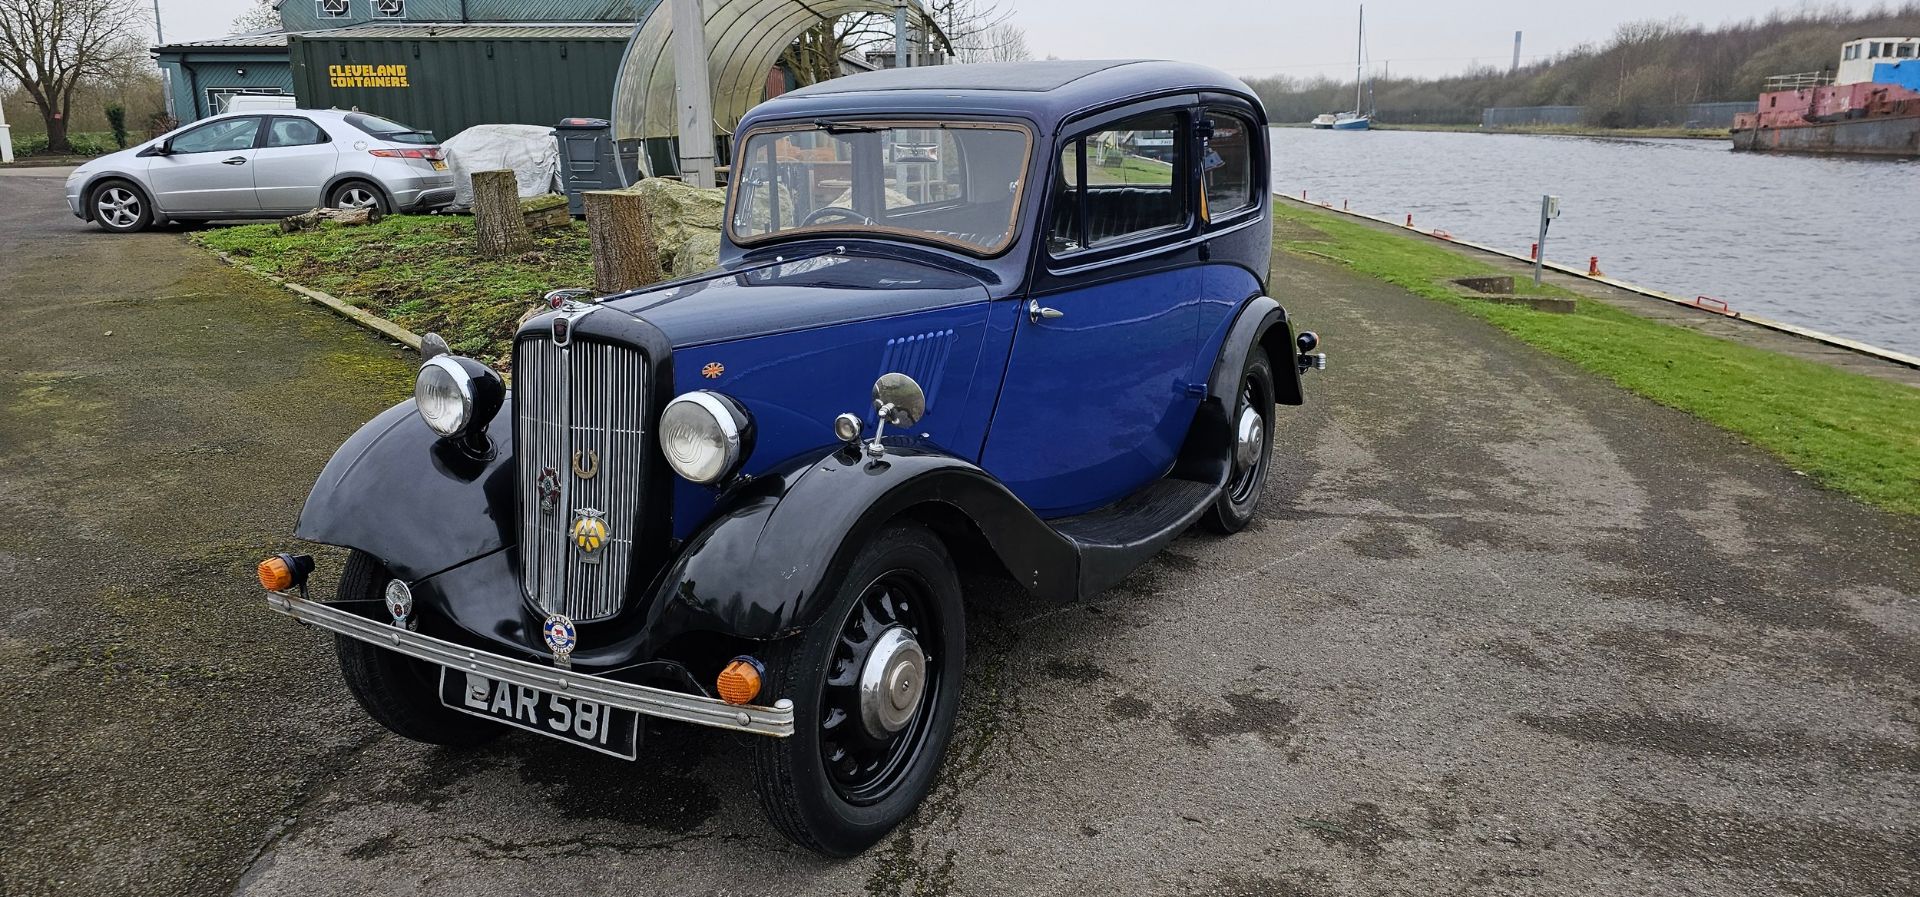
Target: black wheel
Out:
[1252,423]
[399,692]
[120,207]
[875,684]
[358,195]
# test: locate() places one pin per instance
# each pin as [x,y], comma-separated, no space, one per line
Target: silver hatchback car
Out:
[263,165]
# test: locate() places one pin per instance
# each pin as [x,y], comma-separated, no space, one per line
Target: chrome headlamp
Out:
[704,436]
[457,396]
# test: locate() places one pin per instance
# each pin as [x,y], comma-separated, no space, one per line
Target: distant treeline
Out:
[1645,70]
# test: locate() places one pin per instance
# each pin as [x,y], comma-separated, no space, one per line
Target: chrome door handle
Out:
[1036,311]
[236,160]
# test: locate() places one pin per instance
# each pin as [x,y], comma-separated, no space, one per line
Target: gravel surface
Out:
[1502,628]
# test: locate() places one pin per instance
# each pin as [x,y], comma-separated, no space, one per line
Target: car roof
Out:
[1047,91]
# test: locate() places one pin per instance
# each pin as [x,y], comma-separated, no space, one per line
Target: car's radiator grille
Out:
[579,409]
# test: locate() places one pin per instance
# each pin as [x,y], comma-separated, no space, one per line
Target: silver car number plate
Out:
[589,724]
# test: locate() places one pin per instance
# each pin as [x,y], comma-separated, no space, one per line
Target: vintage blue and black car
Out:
[960,313]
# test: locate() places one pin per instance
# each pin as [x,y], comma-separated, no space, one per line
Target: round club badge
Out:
[560,636]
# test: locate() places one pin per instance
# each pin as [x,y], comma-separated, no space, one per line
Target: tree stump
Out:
[497,222]
[343,217]
[624,254]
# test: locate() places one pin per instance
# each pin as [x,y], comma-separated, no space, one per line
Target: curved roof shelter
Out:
[744,40]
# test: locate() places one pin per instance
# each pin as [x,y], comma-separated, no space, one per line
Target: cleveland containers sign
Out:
[367,76]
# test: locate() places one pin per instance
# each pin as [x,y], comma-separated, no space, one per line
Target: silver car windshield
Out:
[950,182]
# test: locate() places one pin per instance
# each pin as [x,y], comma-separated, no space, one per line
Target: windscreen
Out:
[950,182]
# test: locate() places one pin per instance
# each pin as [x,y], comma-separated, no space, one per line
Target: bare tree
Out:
[261,16]
[972,27]
[1007,42]
[51,46]
[815,55]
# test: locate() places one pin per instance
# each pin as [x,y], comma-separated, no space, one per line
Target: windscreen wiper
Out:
[841,127]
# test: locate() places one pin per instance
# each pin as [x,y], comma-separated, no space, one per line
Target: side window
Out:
[1226,166]
[1118,183]
[294,132]
[224,136]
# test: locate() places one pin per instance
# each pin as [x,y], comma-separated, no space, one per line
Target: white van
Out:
[257,102]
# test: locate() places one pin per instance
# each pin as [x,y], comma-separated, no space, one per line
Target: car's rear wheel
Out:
[399,692]
[1252,423]
[120,207]
[876,686]
[358,195]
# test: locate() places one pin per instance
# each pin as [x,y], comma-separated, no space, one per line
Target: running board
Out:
[1115,540]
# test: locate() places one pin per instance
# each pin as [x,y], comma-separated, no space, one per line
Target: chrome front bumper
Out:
[776,721]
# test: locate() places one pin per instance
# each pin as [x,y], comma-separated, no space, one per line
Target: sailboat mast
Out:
[1359,49]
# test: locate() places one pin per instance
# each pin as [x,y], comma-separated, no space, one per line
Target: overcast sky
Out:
[1405,37]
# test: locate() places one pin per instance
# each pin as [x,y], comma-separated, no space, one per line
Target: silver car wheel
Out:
[118,206]
[354,198]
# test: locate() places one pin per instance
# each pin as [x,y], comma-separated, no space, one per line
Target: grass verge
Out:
[422,271]
[1568,131]
[1855,434]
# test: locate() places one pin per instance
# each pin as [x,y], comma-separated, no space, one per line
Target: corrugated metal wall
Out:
[204,80]
[452,84]
[304,15]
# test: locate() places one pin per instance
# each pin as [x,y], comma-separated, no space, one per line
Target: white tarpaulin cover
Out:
[528,150]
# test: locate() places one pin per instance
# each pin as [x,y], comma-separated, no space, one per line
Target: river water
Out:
[1827,243]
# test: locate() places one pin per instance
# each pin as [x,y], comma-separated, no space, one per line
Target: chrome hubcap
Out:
[891,682]
[1251,434]
[118,206]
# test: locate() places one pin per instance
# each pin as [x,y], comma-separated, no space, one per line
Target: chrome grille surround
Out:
[586,397]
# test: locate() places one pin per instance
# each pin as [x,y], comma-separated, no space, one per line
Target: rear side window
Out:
[1226,166]
[392,131]
[224,136]
[294,132]
[1118,183]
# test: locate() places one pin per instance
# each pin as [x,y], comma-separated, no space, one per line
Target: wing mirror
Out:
[897,400]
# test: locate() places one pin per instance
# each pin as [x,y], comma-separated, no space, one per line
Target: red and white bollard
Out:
[1593,266]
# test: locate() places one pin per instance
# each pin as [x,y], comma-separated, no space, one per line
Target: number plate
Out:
[439,165]
[591,725]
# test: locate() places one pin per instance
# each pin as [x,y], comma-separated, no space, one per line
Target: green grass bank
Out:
[1855,434]
[421,271]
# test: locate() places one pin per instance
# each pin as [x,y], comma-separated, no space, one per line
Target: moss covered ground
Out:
[422,271]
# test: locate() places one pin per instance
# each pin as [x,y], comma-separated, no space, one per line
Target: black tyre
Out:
[1252,422]
[854,768]
[358,195]
[120,207]
[399,692]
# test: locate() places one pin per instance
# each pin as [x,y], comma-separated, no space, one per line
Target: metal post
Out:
[900,36]
[695,94]
[1549,210]
[6,138]
[1516,53]
[166,74]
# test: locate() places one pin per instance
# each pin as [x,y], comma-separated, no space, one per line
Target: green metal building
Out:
[467,61]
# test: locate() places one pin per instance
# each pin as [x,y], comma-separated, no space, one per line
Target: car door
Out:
[1098,392]
[204,170]
[293,163]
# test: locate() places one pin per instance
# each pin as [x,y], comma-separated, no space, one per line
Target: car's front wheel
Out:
[1252,423]
[358,195]
[120,207]
[399,692]
[876,686]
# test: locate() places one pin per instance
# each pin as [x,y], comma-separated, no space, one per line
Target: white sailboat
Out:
[1359,119]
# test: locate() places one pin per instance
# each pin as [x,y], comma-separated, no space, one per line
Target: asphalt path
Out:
[1502,628]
